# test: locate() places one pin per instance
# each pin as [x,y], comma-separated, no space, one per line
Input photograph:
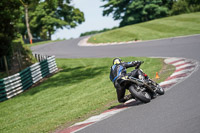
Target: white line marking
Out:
[100,117]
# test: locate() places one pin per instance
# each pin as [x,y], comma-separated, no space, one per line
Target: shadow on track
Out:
[126,105]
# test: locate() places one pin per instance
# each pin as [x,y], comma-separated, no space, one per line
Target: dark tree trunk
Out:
[6,65]
[49,34]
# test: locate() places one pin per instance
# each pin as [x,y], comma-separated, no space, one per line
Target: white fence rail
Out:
[16,84]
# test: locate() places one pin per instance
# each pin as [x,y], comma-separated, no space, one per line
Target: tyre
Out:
[140,95]
[160,90]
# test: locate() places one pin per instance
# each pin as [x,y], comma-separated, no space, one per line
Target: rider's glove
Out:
[137,64]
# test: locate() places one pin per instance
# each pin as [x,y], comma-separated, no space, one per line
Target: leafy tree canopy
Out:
[135,11]
[9,15]
[47,16]
[185,6]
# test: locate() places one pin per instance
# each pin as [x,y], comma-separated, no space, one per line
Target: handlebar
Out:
[138,66]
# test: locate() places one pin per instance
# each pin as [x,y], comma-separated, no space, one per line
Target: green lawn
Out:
[185,24]
[79,89]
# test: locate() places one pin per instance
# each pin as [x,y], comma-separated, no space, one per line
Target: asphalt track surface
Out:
[178,111]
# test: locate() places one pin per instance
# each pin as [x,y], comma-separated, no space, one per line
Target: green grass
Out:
[185,24]
[39,43]
[81,87]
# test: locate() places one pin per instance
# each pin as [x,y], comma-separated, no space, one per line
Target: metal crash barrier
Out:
[16,84]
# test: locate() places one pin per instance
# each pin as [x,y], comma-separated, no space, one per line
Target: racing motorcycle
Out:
[143,89]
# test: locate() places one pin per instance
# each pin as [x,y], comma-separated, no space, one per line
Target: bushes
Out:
[185,6]
[20,57]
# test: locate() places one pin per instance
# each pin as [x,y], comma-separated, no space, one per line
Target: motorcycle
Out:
[143,88]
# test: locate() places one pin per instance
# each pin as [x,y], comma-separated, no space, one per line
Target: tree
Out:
[135,11]
[26,4]
[185,6]
[9,12]
[50,15]
[9,15]
[168,3]
[193,2]
[179,7]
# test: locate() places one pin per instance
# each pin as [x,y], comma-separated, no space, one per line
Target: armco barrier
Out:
[15,84]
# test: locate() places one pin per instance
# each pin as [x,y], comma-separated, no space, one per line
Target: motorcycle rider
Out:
[118,70]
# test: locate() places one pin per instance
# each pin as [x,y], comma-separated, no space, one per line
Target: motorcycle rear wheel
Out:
[140,95]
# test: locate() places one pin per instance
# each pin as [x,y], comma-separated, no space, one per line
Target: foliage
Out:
[9,15]
[185,6]
[168,3]
[50,15]
[11,42]
[45,17]
[21,25]
[179,7]
[135,11]
[27,56]
[21,56]
[193,2]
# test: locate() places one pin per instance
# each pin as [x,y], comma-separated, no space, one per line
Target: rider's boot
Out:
[128,97]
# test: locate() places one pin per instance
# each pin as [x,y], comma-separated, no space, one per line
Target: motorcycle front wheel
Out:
[140,95]
[160,90]
[157,87]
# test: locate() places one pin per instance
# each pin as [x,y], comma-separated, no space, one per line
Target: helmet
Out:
[117,61]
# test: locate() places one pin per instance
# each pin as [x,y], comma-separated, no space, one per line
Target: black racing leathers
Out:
[118,71]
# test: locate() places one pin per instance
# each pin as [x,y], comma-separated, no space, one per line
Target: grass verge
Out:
[185,24]
[82,88]
[40,43]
